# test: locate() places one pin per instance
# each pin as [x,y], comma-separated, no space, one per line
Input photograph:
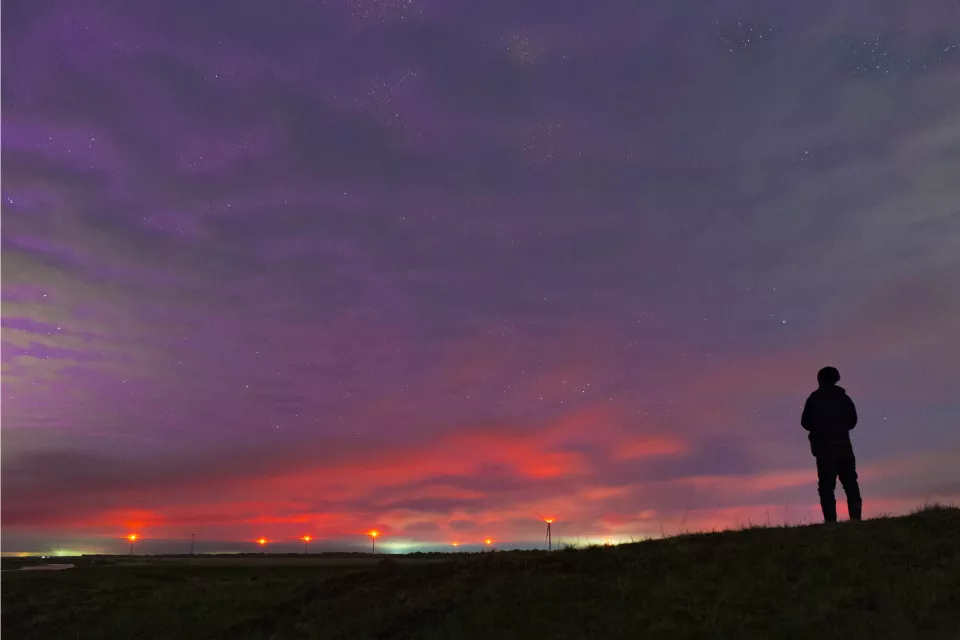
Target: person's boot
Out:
[854,508]
[829,510]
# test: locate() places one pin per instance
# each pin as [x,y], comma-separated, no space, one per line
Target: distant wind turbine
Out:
[548,540]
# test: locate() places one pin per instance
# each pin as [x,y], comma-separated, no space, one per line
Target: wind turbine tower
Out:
[548,540]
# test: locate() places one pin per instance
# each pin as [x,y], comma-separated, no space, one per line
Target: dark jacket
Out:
[829,415]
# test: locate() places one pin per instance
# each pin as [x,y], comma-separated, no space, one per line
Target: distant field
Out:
[884,578]
[214,561]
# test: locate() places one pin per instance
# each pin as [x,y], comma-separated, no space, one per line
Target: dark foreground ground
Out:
[884,578]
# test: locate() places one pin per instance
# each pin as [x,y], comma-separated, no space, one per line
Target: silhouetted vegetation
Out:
[881,578]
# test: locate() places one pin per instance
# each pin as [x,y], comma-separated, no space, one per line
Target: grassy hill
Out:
[882,578]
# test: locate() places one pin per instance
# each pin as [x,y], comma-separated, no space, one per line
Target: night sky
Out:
[428,266]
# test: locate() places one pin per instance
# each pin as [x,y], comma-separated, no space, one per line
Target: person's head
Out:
[828,376]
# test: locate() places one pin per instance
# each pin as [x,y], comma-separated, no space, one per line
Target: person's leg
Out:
[847,470]
[826,485]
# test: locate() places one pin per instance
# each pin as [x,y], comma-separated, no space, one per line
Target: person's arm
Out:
[806,418]
[852,408]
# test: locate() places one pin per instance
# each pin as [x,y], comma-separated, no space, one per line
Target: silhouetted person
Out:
[829,415]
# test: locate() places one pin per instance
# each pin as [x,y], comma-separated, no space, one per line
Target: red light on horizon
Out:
[306,538]
[262,541]
[374,533]
[132,537]
[488,541]
[549,520]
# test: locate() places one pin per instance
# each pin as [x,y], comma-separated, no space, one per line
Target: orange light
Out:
[374,534]
[488,541]
[132,537]
[548,520]
[262,541]
[306,538]
[456,544]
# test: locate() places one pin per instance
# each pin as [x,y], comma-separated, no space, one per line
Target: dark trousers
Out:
[836,459]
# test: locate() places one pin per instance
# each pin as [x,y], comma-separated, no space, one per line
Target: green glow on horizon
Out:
[56,553]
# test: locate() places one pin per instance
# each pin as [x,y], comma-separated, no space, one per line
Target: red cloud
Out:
[646,447]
